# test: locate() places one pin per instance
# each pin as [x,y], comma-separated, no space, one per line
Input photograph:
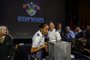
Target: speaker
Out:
[59,50]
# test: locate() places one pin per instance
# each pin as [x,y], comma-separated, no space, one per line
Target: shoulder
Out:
[9,36]
[71,31]
[55,30]
[37,35]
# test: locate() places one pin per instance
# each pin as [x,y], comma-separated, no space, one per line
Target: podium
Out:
[59,50]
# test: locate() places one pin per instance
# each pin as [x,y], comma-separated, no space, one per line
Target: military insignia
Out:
[55,30]
[38,34]
[31,8]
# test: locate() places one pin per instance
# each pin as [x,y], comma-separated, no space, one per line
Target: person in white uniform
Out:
[53,34]
[38,42]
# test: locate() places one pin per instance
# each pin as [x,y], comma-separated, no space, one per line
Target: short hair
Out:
[42,25]
[51,22]
[59,23]
[67,27]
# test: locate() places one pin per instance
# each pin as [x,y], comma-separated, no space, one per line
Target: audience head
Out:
[77,29]
[3,30]
[88,27]
[67,28]
[59,25]
[51,26]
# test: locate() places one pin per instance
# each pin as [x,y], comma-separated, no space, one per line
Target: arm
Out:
[37,48]
[10,46]
[36,44]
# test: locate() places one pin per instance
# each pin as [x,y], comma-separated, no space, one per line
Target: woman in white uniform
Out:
[38,42]
[53,34]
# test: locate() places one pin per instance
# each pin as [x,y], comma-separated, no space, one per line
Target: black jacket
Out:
[6,47]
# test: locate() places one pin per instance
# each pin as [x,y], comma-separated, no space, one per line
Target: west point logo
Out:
[31,8]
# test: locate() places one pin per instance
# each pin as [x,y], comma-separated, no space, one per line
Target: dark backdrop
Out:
[10,10]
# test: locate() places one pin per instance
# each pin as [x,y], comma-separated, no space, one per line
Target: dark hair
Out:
[58,24]
[42,25]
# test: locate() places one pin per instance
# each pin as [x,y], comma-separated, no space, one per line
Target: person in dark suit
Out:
[78,32]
